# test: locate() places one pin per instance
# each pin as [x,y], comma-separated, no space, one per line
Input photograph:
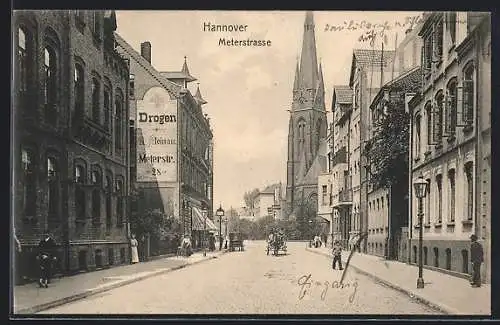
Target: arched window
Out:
[417,135]
[469,190]
[439,198]
[96,197]
[301,135]
[428,202]
[25,58]
[465,261]
[79,192]
[50,83]
[118,123]
[448,258]
[468,94]
[53,191]
[29,184]
[96,92]
[107,107]
[79,79]
[428,113]
[451,107]
[451,178]
[108,187]
[436,257]
[438,118]
[119,203]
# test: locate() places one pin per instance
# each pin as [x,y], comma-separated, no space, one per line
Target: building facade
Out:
[70,149]
[451,123]
[172,165]
[307,126]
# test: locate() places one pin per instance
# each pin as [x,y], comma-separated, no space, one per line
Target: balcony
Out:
[345,197]
[340,157]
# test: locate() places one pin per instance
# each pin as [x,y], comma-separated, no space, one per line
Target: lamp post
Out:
[220,214]
[420,186]
[205,215]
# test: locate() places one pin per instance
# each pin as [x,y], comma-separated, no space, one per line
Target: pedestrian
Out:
[337,255]
[46,257]
[476,257]
[133,249]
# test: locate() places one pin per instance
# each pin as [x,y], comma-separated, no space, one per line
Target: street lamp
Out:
[420,186]
[205,214]
[220,214]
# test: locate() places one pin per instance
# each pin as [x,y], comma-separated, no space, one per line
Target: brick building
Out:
[172,149]
[451,127]
[70,152]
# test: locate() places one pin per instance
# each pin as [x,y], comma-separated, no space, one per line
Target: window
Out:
[79,79]
[131,86]
[96,197]
[325,194]
[438,118]
[96,89]
[468,95]
[118,123]
[428,203]
[29,184]
[448,258]
[425,251]
[465,261]
[378,204]
[107,108]
[382,201]
[451,27]
[428,112]
[25,56]
[439,184]
[79,192]
[301,133]
[427,54]
[470,191]
[50,83]
[436,257]
[318,135]
[79,174]
[417,136]
[451,177]
[438,42]
[451,108]
[119,203]
[96,24]
[53,194]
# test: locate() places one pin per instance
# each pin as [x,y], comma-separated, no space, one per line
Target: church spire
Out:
[320,92]
[308,58]
[297,75]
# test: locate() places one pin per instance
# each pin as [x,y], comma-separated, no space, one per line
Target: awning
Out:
[199,222]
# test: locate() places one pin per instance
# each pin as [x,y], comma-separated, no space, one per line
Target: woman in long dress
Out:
[133,249]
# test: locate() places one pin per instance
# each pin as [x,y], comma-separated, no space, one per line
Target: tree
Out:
[153,222]
[387,150]
[250,198]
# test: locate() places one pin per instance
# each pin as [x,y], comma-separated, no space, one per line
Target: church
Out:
[307,126]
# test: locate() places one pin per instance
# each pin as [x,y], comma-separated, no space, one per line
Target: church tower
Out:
[308,122]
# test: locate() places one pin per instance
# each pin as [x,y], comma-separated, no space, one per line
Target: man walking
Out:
[476,257]
[337,255]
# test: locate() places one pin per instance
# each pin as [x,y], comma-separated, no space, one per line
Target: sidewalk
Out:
[29,298]
[450,294]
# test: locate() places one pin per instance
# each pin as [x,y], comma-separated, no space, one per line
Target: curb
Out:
[419,297]
[91,292]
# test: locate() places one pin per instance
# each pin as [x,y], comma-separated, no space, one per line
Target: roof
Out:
[369,58]
[408,81]
[270,188]
[176,75]
[342,95]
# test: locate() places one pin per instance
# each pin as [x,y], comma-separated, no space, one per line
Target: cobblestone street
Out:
[251,282]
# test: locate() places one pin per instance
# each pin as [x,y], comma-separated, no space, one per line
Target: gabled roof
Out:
[369,58]
[341,94]
[170,86]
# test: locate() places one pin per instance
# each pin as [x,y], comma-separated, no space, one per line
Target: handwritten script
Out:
[305,283]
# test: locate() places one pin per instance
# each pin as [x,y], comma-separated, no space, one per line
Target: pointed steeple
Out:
[185,71]
[198,96]
[297,75]
[308,58]
[320,92]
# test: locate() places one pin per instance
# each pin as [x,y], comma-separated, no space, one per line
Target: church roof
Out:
[308,58]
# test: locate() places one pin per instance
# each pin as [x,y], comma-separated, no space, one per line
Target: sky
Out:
[249,89]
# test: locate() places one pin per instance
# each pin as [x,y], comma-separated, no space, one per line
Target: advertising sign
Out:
[156,137]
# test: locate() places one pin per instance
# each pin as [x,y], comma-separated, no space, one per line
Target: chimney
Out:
[146,51]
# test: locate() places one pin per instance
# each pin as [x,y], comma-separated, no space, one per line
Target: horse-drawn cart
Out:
[235,241]
[276,244]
